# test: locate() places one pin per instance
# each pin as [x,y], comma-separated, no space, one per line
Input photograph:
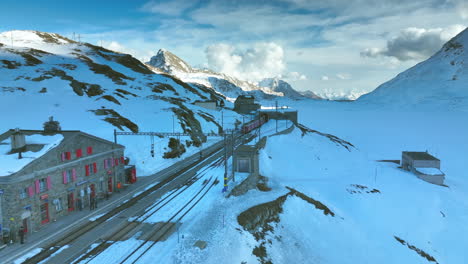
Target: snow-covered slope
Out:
[440,81]
[165,61]
[95,90]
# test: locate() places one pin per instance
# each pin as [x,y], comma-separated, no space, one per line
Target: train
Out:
[254,124]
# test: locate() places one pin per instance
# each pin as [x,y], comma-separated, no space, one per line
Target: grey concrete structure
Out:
[245,104]
[212,105]
[245,159]
[80,169]
[424,165]
[280,114]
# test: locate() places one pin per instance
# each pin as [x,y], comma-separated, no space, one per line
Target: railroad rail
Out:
[139,220]
[79,231]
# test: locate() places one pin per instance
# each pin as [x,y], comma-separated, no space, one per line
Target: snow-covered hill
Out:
[93,89]
[440,81]
[165,61]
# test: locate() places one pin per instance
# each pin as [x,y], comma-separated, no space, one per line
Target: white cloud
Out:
[263,60]
[343,76]
[325,78]
[167,7]
[293,76]
[414,43]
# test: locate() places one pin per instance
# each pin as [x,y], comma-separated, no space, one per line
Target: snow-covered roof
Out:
[430,171]
[10,163]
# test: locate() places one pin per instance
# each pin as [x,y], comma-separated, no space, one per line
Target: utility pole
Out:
[276,109]
[232,153]
[222,121]
[225,165]
[173,129]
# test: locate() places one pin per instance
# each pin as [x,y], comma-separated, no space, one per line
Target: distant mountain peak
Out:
[169,62]
[277,85]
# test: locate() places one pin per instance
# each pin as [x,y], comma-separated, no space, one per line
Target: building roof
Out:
[416,155]
[38,143]
[246,148]
[430,171]
[10,163]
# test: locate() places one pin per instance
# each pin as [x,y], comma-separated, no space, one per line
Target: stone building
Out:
[245,104]
[48,174]
[424,165]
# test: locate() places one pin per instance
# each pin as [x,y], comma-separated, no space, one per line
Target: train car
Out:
[254,124]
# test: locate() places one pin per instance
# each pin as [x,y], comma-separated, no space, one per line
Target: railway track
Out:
[79,231]
[154,238]
[54,247]
[138,221]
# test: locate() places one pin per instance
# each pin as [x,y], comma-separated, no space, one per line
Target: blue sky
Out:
[334,47]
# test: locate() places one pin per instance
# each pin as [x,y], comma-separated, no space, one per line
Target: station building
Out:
[46,174]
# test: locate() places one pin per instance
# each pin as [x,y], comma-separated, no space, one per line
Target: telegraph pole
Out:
[232,153]
[276,109]
[225,165]
[173,130]
[222,121]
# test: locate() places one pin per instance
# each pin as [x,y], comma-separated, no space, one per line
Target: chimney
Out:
[18,142]
[51,126]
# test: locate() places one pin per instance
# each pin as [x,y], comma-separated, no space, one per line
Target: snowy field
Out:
[381,214]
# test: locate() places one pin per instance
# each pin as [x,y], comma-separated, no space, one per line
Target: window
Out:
[65,156]
[69,176]
[42,185]
[91,169]
[23,193]
[89,150]
[79,153]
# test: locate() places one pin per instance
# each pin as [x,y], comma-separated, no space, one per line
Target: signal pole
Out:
[276,109]
[225,165]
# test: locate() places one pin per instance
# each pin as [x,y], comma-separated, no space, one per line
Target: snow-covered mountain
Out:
[310,94]
[280,86]
[93,89]
[165,61]
[441,80]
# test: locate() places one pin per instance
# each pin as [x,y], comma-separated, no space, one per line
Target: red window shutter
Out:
[94,167]
[62,156]
[68,155]
[122,160]
[79,153]
[87,170]
[74,175]
[89,150]
[105,164]
[49,183]
[116,162]
[30,191]
[38,187]
[64,175]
